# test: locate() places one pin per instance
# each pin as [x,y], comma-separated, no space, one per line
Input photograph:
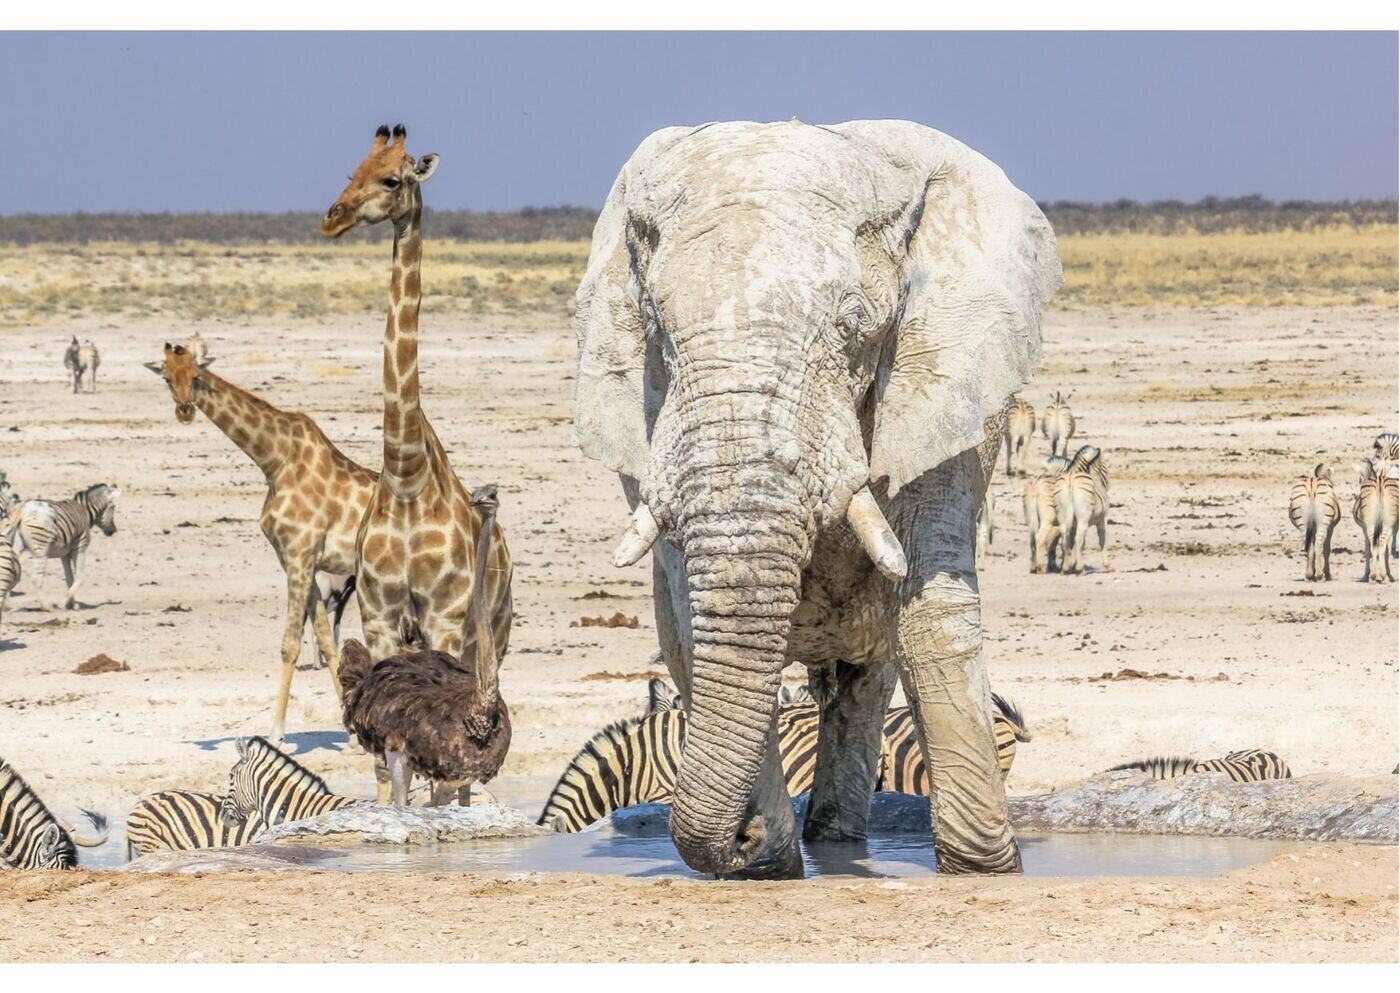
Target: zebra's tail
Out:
[99,823]
[1310,526]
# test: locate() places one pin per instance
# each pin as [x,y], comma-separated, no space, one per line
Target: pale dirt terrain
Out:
[1205,416]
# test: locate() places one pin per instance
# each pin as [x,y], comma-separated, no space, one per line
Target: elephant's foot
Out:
[952,862]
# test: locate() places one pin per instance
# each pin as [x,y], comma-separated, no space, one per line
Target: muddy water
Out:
[901,855]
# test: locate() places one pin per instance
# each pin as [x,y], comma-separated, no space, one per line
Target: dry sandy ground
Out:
[1204,415]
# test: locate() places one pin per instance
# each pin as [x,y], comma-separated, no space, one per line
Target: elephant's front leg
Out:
[938,646]
[848,750]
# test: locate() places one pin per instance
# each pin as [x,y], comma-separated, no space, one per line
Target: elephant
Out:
[796,345]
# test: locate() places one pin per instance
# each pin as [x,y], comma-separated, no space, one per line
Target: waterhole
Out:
[888,856]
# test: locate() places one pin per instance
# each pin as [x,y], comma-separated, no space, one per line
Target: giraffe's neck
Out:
[252,424]
[405,442]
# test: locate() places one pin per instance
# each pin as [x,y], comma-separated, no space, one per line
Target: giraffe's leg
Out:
[325,642]
[301,572]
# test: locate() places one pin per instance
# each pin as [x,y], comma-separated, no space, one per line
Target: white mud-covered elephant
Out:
[796,344]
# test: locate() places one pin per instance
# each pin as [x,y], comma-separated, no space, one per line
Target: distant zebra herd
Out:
[1315,509]
[1065,501]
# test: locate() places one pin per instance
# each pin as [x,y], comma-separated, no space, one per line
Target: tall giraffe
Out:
[316,497]
[417,543]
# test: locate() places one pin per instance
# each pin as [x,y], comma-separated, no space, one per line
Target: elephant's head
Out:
[775,319]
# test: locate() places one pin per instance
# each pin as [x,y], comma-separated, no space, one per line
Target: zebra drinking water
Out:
[62,529]
[275,787]
[638,760]
[181,820]
[33,838]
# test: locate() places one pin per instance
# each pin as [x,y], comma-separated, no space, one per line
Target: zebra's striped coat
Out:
[31,837]
[62,529]
[1057,425]
[638,760]
[9,559]
[1314,509]
[1081,502]
[181,820]
[1249,765]
[1375,508]
[1042,521]
[1019,430]
[275,787]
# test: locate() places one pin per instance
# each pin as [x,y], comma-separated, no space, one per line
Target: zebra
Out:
[1375,497]
[1038,502]
[273,786]
[1019,430]
[73,363]
[1387,446]
[902,766]
[986,526]
[1058,424]
[62,529]
[1313,507]
[638,760]
[9,560]
[9,499]
[82,361]
[180,820]
[1081,502]
[1249,765]
[31,837]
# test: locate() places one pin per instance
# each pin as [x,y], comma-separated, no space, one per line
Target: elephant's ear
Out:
[980,260]
[609,416]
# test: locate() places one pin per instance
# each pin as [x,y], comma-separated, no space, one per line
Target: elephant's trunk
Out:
[742,534]
[740,610]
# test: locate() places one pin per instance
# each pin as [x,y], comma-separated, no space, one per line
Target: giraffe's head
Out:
[184,375]
[383,185]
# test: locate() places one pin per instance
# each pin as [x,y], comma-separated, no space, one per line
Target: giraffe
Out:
[416,548]
[316,497]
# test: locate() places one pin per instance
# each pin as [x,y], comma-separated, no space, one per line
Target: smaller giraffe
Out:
[316,497]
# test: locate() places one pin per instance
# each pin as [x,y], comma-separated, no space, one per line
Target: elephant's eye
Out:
[855,315]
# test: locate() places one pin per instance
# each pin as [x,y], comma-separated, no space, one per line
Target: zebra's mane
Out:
[1160,766]
[614,733]
[1013,714]
[261,753]
[1083,459]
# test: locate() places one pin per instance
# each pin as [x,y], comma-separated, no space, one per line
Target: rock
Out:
[379,823]
[1320,807]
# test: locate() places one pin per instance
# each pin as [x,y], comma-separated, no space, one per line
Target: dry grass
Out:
[194,281]
[1325,267]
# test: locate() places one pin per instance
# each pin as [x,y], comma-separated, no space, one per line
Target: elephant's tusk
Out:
[641,532]
[875,535]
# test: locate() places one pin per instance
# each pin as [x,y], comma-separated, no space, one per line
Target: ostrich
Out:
[430,714]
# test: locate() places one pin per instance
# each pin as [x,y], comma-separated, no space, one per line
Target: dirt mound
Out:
[101,662]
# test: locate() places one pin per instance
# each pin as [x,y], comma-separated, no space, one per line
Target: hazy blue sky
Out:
[275,121]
